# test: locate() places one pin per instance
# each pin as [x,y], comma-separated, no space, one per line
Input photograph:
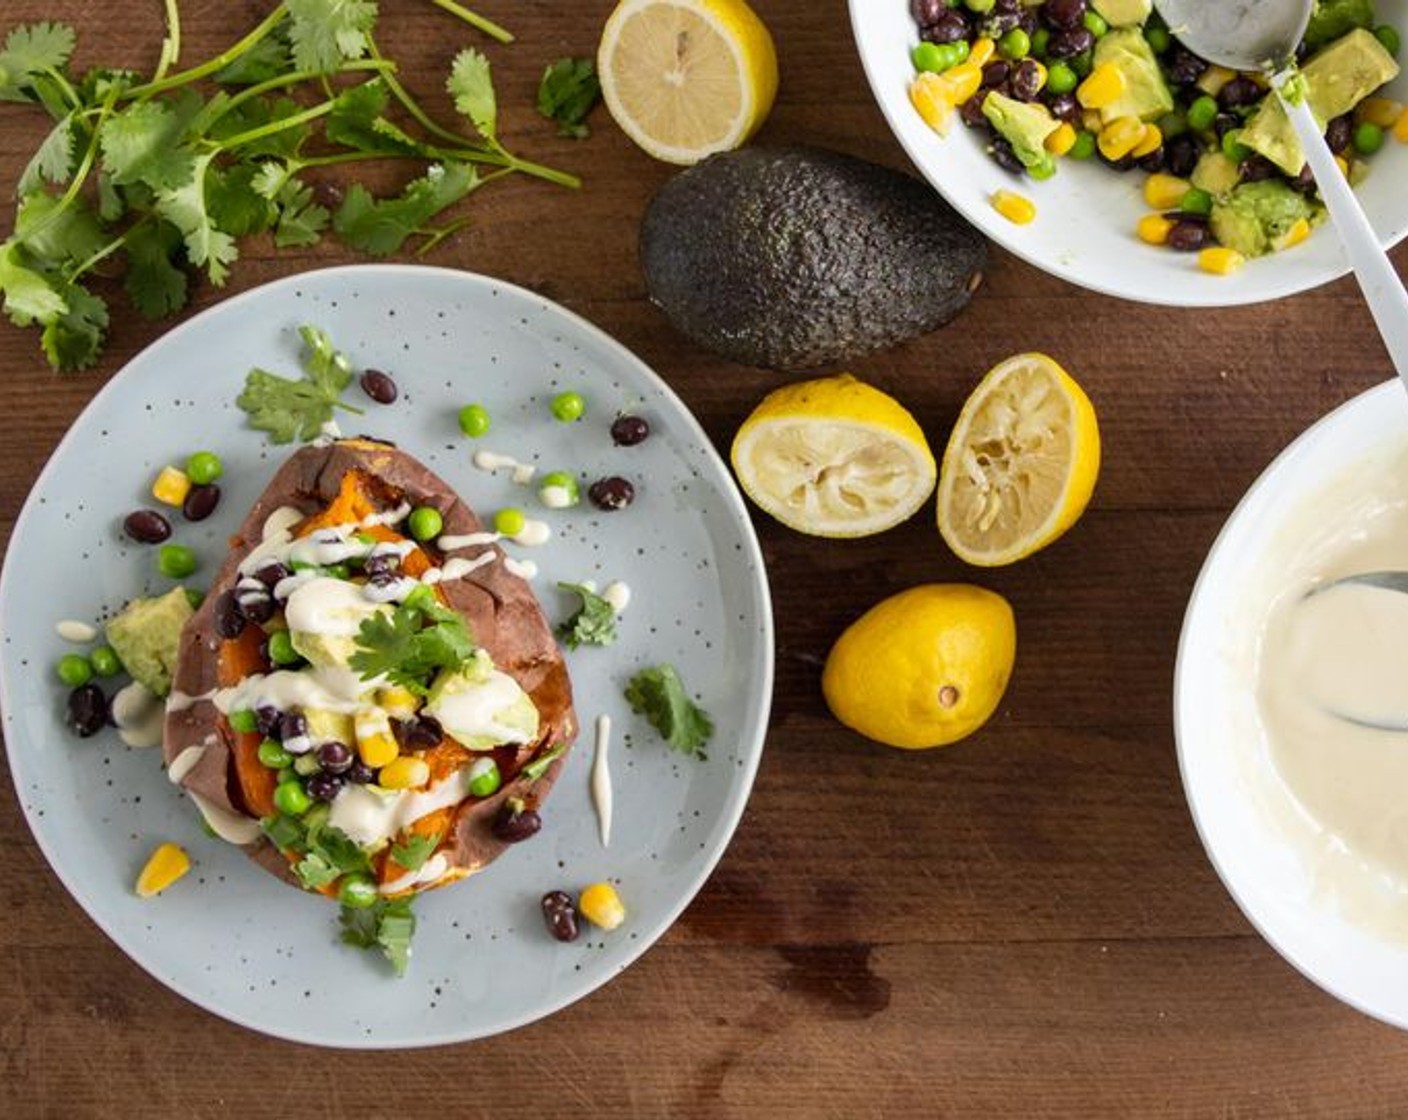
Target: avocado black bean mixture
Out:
[1107,80]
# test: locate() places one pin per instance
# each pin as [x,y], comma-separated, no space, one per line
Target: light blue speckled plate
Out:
[229,936]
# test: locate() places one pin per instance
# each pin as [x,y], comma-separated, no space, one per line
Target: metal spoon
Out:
[1262,35]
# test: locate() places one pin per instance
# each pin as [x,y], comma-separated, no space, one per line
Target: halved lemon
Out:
[687,78]
[834,457]
[1021,464]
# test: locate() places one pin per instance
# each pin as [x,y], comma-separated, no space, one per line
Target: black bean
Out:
[999,22]
[1065,107]
[1255,168]
[1239,91]
[1152,162]
[971,112]
[1189,235]
[1123,164]
[611,493]
[266,720]
[560,913]
[1224,123]
[1026,80]
[1304,181]
[1001,152]
[514,823]
[360,774]
[292,725]
[200,502]
[1069,42]
[926,12]
[627,431]
[950,27]
[995,73]
[1339,132]
[423,732]
[1063,13]
[256,606]
[335,757]
[385,564]
[271,573]
[146,526]
[323,786]
[1181,156]
[379,386]
[87,710]
[229,622]
[1185,67]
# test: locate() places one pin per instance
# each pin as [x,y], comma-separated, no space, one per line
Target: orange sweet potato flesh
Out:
[239,658]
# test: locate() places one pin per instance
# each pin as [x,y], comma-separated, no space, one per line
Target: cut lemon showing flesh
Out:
[834,457]
[1021,463]
[687,78]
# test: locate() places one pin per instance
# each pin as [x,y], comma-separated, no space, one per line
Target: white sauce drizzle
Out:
[457,567]
[429,871]
[277,532]
[533,534]
[180,701]
[370,815]
[185,762]
[493,462]
[139,714]
[326,687]
[523,569]
[71,630]
[327,434]
[601,779]
[618,594]
[229,826]
[555,497]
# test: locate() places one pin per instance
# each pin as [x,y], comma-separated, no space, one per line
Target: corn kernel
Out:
[171,486]
[1164,192]
[1381,111]
[1298,232]
[601,905]
[1041,74]
[397,702]
[1152,142]
[1154,229]
[376,746]
[962,81]
[981,52]
[1220,261]
[404,772]
[1062,140]
[167,864]
[1121,136]
[1211,80]
[1091,121]
[1400,130]
[1014,207]
[1343,165]
[930,97]
[1102,87]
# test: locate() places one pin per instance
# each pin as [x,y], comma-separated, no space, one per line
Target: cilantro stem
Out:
[110,248]
[412,106]
[552,175]
[214,65]
[242,138]
[435,234]
[90,153]
[171,45]
[489,27]
[295,78]
[65,86]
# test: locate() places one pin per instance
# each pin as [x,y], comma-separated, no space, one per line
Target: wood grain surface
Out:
[1023,925]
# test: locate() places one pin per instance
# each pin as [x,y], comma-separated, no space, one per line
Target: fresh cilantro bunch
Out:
[408,644]
[659,694]
[286,408]
[148,179]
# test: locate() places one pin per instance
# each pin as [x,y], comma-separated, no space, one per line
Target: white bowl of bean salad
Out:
[1083,137]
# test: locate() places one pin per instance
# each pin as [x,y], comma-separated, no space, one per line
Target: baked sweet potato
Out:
[346,504]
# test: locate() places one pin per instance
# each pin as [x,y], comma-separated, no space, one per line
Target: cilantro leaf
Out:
[325,33]
[30,49]
[567,93]
[284,832]
[381,226]
[256,113]
[111,201]
[140,144]
[472,87]
[289,409]
[233,205]
[594,622]
[314,871]
[416,850]
[658,694]
[154,283]
[301,220]
[72,341]
[539,766]
[52,162]
[185,208]
[388,925]
[57,234]
[398,646]
[271,57]
[357,121]
[29,295]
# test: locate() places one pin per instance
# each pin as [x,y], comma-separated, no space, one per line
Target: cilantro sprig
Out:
[408,644]
[286,408]
[388,925]
[659,694]
[148,179]
[593,623]
[566,94]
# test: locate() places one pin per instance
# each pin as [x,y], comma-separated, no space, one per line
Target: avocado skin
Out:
[794,258]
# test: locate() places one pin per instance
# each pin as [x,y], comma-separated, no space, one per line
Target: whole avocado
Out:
[795,257]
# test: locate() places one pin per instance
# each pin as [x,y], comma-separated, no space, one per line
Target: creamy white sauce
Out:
[277,533]
[71,630]
[371,815]
[494,462]
[233,827]
[139,714]
[180,701]
[433,868]
[451,543]
[555,497]
[185,762]
[523,569]
[329,688]
[471,712]
[330,608]
[601,779]
[328,434]
[533,534]
[457,567]
[618,594]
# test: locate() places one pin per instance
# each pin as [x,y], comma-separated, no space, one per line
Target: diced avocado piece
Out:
[1329,19]
[1124,13]
[1025,125]
[1335,81]
[1256,216]
[324,605]
[481,707]
[325,726]
[1216,174]
[147,637]
[1146,95]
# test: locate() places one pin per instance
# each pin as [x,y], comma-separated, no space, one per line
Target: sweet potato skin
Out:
[500,608]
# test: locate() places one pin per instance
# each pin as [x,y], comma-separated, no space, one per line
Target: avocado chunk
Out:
[1255,217]
[324,616]
[481,707]
[1216,174]
[1334,81]
[1025,125]
[147,637]
[1124,13]
[796,258]
[1146,95]
[1330,19]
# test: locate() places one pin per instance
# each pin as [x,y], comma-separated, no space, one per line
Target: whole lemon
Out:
[923,668]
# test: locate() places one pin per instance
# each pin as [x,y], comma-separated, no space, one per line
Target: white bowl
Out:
[1249,822]
[1086,213]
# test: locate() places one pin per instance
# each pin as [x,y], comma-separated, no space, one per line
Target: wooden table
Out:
[1025,924]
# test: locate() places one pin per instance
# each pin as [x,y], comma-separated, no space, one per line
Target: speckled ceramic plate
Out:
[230,937]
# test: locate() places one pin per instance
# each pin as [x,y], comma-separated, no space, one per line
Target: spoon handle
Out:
[1383,290]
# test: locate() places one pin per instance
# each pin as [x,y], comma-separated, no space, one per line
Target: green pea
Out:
[1094,23]
[357,891]
[962,49]
[1173,124]
[204,467]
[273,755]
[569,406]
[1015,44]
[195,597]
[1042,171]
[337,571]
[281,651]
[425,523]
[74,669]
[1040,41]
[1202,113]
[243,721]
[1082,64]
[474,420]
[554,481]
[1388,36]
[979,6]
[484,777]
[105,661]
[1196,201]
[1084,147]
[291,798]
[307,764]
[927,57]
[286,774]
[1060,78]
[510,521]
[946,56]
[1232,146]
[175,561]
[421,598]
[1368,138]
[1158,39]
